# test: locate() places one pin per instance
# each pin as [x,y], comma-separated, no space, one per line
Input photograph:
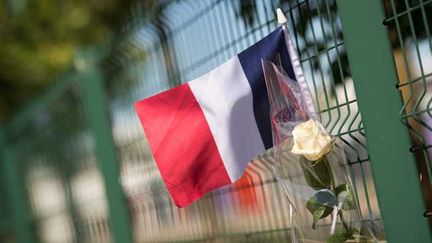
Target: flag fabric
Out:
[203,133]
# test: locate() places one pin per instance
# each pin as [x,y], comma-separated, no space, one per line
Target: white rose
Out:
[311,140]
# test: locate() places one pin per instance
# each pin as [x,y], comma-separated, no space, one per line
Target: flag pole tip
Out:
[281,17]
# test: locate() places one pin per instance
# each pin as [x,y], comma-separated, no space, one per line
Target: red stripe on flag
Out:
[182,144]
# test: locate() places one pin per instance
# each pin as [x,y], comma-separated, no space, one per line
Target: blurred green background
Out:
[39,39]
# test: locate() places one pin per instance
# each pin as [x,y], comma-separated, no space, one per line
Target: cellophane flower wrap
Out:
[311,166]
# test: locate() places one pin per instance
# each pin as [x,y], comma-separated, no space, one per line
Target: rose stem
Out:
[332,182]
[333,186]
[343,221]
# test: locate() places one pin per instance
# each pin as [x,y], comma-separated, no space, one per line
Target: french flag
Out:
[203,133]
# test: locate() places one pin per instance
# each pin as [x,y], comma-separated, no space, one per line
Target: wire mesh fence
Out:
[54,155]
[200,37]
[410,26]
[54,148]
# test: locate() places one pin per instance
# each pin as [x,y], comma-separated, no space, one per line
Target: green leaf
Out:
[317,173]
[321,205]
[341,235]
[345,195]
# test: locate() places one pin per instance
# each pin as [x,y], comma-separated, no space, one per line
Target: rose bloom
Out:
[311,140]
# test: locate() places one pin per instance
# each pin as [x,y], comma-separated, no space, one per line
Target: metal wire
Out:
[203,37]
[198,36]
[410,23]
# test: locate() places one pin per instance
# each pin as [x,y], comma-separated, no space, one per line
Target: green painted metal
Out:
[96,110]
[394,168]
[50,96]
[20,213]
[411,27]
[374,75]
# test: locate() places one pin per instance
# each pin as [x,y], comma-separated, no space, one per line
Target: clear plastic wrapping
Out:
[311,167]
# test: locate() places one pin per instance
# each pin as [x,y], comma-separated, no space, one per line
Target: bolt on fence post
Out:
[17,200]
[393,166]
[96,110]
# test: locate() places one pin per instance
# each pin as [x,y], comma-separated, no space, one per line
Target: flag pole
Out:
[298,71]
[281,18]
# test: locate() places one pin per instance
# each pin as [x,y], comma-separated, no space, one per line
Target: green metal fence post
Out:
[97,114]
[394,169]
[21,217]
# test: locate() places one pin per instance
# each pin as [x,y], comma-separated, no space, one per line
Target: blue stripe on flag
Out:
[250,59]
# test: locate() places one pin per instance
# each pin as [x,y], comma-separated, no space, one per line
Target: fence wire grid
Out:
[55,153]
[410,27]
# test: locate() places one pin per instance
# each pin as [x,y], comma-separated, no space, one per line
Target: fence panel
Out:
[198,36]
[55,143]
[54,152]
[374,73]
[410,26]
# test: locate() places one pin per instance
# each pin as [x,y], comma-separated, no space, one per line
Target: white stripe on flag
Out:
[225,96]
